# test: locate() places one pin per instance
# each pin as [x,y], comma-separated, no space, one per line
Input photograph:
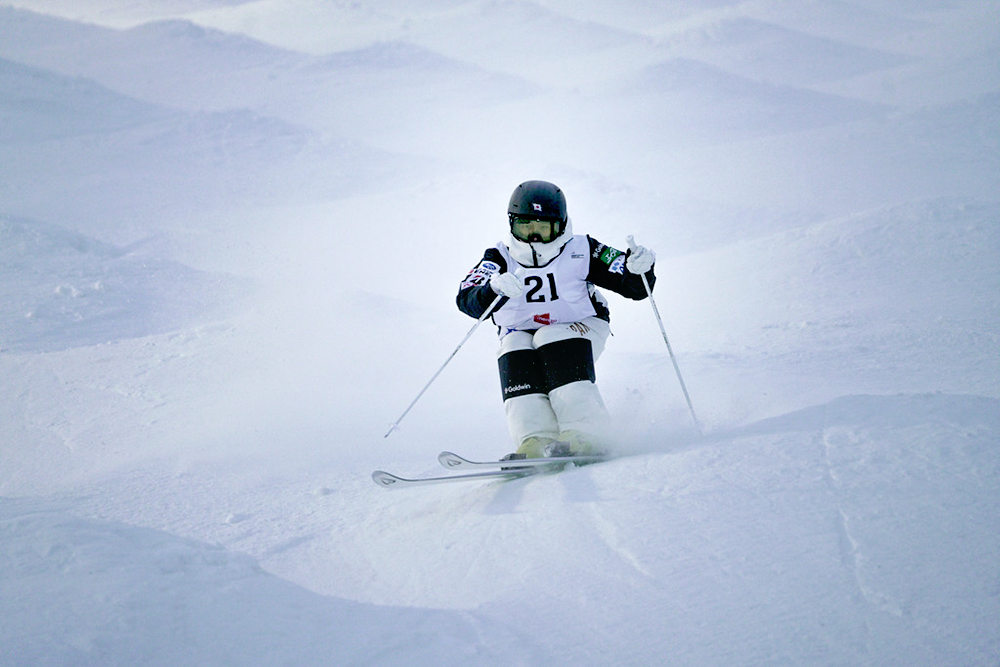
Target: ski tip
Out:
[384,479]
[451,460]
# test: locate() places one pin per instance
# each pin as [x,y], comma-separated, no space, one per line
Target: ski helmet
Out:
[536,202]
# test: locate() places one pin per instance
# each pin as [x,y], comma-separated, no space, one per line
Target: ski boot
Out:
[532,447]
[572,443]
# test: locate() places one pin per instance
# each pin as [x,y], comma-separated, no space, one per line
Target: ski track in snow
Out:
[230,235]
[853,558]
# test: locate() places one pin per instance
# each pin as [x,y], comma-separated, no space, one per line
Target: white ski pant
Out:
[549,381]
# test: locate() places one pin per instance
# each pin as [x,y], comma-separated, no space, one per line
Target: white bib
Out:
[557,292]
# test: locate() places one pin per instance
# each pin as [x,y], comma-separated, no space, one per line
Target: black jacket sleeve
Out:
[474,294]
[607,270]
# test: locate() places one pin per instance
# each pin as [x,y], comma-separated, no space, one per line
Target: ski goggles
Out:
[534,230]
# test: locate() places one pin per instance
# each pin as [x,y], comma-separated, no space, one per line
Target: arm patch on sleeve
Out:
[615,259]
[481,274]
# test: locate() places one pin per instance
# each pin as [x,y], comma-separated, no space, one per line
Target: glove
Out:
[506,284]
[640,260]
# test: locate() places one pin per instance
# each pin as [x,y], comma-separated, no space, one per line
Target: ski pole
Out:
[482,318]
[656,312]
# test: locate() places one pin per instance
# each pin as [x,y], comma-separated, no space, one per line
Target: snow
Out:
[230,237]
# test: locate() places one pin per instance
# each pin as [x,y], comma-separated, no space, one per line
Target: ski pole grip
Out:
[631,242]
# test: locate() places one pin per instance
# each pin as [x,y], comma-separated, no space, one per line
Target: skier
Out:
[552,321]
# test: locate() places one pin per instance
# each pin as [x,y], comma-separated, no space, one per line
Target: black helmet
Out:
[534,201]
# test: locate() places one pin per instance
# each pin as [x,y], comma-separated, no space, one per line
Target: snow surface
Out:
[230,237]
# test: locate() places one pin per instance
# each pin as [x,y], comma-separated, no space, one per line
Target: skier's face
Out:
[533,231]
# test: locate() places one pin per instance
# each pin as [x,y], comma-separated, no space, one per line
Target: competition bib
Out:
[557,292]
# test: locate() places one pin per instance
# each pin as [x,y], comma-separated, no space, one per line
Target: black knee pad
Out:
[566,361]
[521,374]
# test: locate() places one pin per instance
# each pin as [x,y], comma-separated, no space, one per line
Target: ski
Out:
[486,470]
[453,461]
[390,481]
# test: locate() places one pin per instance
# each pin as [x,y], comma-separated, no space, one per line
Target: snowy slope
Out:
[66,290]
[230,236]
[119,594]
[130,169]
